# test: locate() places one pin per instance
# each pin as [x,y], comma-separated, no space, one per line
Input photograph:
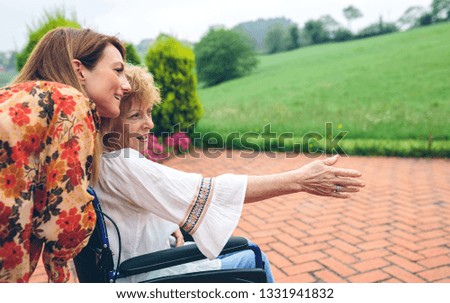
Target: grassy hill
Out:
[391,93]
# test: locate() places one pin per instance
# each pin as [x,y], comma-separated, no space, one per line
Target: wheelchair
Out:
[94,264]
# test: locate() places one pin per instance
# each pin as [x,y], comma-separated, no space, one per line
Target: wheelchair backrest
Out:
[94,264]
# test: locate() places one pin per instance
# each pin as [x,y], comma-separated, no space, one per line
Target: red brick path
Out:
[397,229]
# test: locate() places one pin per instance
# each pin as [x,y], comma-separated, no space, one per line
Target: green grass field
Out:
[391,93]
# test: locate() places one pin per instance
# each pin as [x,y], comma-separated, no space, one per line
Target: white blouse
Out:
[148,201]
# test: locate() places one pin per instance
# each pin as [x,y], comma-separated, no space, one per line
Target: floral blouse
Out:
[47,133]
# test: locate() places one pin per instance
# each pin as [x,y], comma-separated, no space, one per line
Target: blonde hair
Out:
[51,60]
[143,92]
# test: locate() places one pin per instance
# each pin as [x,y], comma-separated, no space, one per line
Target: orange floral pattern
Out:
[46,151]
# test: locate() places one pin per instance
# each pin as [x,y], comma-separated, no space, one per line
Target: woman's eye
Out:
[134,116]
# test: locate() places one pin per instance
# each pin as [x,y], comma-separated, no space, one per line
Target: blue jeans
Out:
[245,259]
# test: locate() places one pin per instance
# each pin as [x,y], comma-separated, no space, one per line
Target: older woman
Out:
[150,201]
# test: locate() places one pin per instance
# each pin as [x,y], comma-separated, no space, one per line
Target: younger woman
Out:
[48,128]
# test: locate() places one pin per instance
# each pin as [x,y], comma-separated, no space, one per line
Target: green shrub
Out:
[172,65]
[361,147]
[50,21]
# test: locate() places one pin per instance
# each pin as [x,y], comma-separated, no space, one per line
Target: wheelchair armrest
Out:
[174,256]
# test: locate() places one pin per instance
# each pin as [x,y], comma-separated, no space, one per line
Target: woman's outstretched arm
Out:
[317,178]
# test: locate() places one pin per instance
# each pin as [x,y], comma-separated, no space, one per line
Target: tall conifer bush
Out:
[172,65]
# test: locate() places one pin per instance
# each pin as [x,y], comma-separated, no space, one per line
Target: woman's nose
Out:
[125,85]
[149,123]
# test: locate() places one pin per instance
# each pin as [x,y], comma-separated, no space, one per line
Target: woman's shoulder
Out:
[47,98]
[41,86]
[123,153]
[127,155]
[42,89]
[125,159]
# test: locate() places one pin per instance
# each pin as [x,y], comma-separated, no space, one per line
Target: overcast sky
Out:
[134,20]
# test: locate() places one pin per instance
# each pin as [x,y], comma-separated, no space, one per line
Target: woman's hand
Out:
[322,179]
[178,237]
[317,178]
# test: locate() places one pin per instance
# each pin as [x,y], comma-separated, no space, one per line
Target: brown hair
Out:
[144,92]
[51,60]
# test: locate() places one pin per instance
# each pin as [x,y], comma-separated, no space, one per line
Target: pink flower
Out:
[155,151]
[179,141]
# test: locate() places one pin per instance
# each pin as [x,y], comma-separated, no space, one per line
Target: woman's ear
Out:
[78,67]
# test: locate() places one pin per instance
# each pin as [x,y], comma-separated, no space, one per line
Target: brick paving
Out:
[397,229]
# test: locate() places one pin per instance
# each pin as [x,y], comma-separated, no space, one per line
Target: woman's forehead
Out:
[140,104]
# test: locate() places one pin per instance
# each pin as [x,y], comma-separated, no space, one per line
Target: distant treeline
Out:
[280,34]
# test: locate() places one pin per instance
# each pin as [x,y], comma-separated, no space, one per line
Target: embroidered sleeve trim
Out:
[198,208]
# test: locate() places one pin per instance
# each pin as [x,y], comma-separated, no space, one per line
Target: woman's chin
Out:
[108,113]
[143,151]
[140,146]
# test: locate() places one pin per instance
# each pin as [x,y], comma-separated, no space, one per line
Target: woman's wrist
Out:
[292,182]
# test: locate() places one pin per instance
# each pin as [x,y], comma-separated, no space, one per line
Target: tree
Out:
[343,34]
[12,61]
[276,39]
[293,40]
[257,30]
[132,55]
[4,59]
[351,13]
[172,65]
[330,25]
[315,31]
[440,10]
[222,55]
[379,28]
[425,19]
[411,16]
[50,20]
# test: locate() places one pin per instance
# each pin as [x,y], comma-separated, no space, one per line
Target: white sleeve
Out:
[208,208]
[223,214]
